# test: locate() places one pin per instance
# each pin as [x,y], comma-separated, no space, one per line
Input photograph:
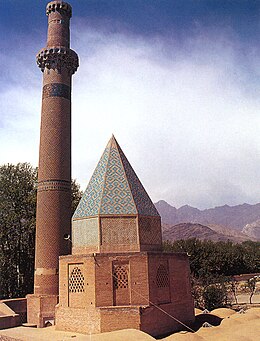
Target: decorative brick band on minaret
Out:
[53,218]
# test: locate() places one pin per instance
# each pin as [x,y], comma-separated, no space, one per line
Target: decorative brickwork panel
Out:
[76,280]
[85,232]
[76,285]
[54,185]
[163,283]
[150,230]
[56,90]
[120,277]
[121,288]
[118,231]
[162,277]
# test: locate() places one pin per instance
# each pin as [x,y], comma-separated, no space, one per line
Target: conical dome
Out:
[114,188]
[115,213]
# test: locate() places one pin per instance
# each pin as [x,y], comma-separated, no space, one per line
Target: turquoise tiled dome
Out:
[114,188]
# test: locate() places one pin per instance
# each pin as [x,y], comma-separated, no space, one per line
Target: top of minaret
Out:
[114,188]
[59,6]
[57,55]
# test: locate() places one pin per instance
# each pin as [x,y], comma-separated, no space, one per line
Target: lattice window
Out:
[162,277]
[120,277]
[76,280]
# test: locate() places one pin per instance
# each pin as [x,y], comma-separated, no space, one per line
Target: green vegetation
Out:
[209,259]
[212,266]
[17,227]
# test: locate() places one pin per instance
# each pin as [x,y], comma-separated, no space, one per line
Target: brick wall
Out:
[41,308]
[78,320]
[77,298]
[104,307]
[159,279]
[115,234]
[178,294]
[104,281]
[138,279]
[119,234]
[9,321]
[76,309]
[18,305]
[119,318]
[150,233]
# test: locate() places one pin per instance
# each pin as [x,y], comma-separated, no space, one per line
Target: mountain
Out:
[199,231]
[229,232]
[252,230]
[234,217]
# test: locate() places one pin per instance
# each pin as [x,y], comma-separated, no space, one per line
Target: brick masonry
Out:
[13,312]
[107,305]
[53,216]
[117,276]
[42,309]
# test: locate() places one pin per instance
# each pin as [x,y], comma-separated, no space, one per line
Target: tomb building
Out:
[117,276]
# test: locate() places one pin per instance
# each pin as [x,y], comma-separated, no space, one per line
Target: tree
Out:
[233,286]
[218,258]
[251,286]
[17,228]
[212,266]
[76,194]
[18,187]
[214,296]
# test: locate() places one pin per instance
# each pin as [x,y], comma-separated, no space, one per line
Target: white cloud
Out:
[182,115]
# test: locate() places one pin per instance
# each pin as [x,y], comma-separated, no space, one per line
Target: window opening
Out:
[162,277]
[76,280]
[120,277]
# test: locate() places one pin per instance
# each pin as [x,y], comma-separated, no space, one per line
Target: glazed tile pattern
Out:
[114,188]
[142,200]
[117,197]
[90,203]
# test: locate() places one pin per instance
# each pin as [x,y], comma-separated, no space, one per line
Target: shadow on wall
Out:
[13,312]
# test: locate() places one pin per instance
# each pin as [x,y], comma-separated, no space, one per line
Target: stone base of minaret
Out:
[41,309]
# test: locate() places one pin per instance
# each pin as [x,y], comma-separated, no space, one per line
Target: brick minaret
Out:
[53,219]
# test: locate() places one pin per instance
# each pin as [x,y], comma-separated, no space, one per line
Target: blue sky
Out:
[177,82]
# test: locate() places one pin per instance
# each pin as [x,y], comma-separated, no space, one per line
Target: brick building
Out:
[117,276]
[53,216]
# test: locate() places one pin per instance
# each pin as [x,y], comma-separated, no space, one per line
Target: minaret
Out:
[53,218]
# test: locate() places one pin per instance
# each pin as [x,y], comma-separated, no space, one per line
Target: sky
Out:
[176,81]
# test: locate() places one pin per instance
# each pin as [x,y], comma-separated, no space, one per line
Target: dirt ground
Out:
[244,299]
[234,327]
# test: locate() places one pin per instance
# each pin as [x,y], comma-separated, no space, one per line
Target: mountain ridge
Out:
[228,220]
